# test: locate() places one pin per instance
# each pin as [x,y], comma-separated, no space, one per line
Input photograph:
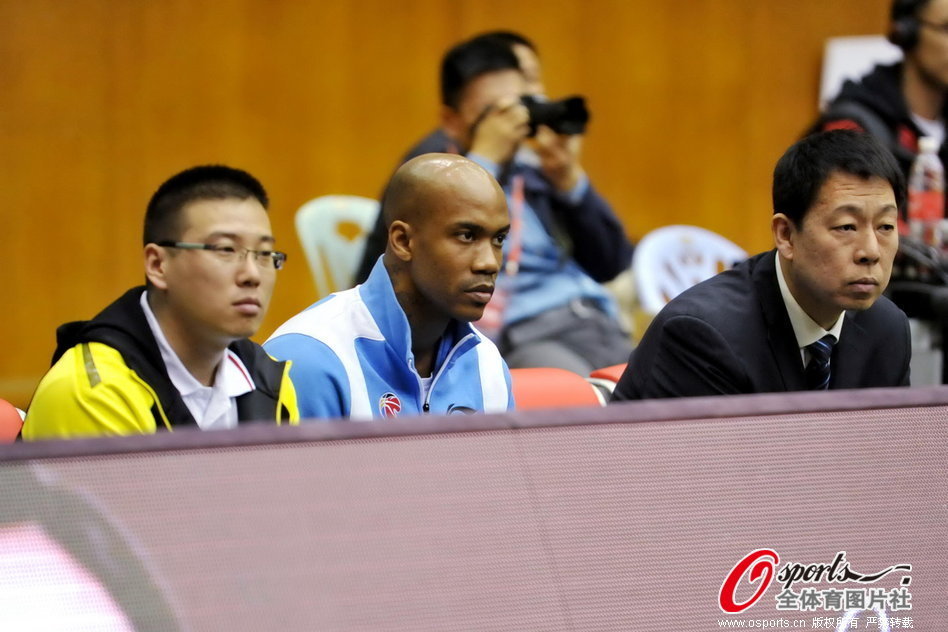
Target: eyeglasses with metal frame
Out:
[272,259]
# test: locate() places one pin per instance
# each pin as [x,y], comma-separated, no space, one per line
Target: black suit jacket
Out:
[731,334]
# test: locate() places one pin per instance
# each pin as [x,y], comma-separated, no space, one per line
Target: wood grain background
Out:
[101,100]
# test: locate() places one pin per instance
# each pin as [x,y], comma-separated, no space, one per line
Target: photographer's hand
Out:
[500,130]
[559,158]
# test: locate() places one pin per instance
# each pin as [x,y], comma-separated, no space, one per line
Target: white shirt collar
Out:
[211,406]
[805,329]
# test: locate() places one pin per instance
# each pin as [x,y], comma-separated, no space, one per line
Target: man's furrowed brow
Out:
[478,228]
[221,234]
[849,210]
[472,226]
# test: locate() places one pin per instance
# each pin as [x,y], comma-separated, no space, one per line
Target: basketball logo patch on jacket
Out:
[389,405]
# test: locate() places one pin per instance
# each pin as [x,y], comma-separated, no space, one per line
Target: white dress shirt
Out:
[213,407]
[806,330]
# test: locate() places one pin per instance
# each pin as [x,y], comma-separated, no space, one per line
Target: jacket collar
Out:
[849,355]
[780,337]
[378,294]
[122,326]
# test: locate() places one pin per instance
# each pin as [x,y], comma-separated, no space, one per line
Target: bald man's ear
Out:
[399,239]
[156,258]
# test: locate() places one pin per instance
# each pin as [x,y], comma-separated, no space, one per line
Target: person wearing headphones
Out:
[899,103]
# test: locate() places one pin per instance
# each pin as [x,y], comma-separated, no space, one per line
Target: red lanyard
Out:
[512,267]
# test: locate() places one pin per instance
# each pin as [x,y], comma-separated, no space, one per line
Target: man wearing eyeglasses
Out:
[175,353]
[899,103]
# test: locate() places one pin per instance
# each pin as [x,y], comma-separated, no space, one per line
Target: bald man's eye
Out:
[500,239]
[466,235]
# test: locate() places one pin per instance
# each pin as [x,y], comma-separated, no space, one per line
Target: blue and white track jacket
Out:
[352,357]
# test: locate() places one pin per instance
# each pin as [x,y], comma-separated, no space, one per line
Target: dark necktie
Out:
[818,369]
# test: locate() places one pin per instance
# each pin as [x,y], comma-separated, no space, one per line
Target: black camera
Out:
[567,116]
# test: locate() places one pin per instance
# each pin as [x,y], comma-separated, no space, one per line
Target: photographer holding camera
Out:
[549,308]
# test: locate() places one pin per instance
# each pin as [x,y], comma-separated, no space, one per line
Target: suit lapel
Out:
[780,337]
[849,355]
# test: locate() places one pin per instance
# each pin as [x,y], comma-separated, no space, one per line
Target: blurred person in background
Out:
[550,309]
[899,103]
[438,141]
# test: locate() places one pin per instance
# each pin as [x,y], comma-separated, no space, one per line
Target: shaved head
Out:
[447,221]
[420,186]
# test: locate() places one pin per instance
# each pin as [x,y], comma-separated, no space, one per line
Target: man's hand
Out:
[559,157]
[500,130]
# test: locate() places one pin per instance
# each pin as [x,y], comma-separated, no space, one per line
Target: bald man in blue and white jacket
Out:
[402,343]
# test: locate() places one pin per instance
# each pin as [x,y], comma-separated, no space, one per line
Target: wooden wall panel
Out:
[103,99]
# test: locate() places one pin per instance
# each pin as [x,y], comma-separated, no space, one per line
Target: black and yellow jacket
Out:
[108,378]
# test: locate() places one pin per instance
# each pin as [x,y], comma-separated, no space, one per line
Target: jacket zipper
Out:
[426,406]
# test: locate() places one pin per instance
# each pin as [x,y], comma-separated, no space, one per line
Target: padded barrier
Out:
[628,517]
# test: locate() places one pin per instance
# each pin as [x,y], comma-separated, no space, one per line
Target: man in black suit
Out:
[807,315]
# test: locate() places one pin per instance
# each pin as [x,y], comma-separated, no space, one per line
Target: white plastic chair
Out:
[852,57]
[332,230]
[669,260]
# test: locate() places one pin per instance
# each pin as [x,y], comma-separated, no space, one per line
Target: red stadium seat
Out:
[10,422]
[552,388]
[606,378]
[611,373]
